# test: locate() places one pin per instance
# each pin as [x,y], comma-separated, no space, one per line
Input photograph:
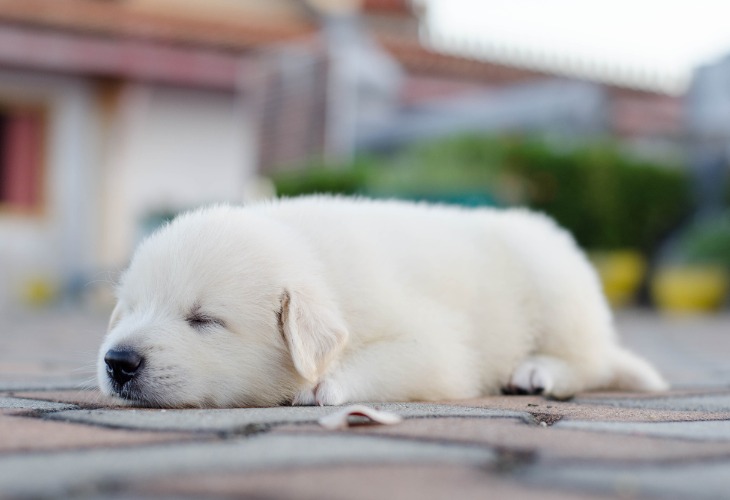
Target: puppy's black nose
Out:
[122,364]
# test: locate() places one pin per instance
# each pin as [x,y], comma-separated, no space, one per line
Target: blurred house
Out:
[708,126]
[445,93]
[116,113]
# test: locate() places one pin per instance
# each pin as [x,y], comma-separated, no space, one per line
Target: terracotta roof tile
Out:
[421,60]
[398,7]
[115,19]
[417,58]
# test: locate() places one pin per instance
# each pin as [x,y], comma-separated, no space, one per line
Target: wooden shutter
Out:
[20,159]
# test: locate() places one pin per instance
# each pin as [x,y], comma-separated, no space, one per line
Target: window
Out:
[21,151]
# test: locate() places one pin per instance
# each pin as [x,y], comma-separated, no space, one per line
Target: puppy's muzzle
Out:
[122,365]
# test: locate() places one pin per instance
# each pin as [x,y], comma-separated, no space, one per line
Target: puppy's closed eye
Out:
[201,321]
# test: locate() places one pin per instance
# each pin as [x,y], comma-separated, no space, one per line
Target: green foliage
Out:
[706,242]
[607,198]
[462,170]
[323,179]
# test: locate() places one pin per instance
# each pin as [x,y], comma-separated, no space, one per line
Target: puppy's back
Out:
[382,256]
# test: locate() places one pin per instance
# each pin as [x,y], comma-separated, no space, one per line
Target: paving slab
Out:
[696,480]
[11,403]
[545,443]
[67,473]
[705,403]
[581,409]
[246,419]
[711,430]
[361,482]
[673,392]
[676,405]
[82,398]
[690,351]
[59,440]
[25,434]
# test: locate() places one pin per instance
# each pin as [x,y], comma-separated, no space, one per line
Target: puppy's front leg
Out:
[326,393]
[397,371]
[356,378]
[305,397]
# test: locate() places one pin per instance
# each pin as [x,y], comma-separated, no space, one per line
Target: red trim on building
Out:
[397,7]
[20,160]
[134,59]
[117,19]
[419,59]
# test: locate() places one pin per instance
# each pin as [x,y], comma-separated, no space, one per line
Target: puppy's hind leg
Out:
[561,379]
[545,375]
[629,372]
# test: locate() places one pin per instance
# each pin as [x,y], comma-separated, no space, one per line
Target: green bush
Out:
[706,242]
[320,179]
[462,170]
[605,197]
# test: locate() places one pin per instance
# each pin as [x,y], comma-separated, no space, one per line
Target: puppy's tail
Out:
[632,373]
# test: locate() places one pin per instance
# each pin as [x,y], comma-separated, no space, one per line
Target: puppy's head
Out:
[219,308]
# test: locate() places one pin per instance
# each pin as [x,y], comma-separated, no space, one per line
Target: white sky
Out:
[653,43]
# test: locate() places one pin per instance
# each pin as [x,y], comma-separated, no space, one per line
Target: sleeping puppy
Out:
[321,300]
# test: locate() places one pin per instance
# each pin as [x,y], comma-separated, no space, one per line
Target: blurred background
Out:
[611,116]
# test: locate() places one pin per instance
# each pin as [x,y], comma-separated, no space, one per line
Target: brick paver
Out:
[362,482]
[30,434]
[60,437]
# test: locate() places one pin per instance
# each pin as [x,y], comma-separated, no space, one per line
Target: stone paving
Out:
[60,438]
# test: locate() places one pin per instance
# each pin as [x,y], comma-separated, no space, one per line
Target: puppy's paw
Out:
[329,393]
[531,377]
[304,397]
[326,393]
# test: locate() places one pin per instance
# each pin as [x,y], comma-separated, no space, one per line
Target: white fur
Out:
[331,300]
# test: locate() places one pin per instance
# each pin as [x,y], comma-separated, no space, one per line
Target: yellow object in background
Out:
[621,273]
[690,289]
[38,291]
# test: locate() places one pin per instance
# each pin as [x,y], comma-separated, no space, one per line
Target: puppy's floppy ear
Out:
[313,330]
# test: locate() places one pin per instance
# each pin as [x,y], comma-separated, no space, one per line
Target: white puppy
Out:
[321,300]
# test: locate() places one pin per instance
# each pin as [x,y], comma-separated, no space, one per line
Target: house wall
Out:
[419,89]
[114,154]
[57,240]
[557,107]
[171,149]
